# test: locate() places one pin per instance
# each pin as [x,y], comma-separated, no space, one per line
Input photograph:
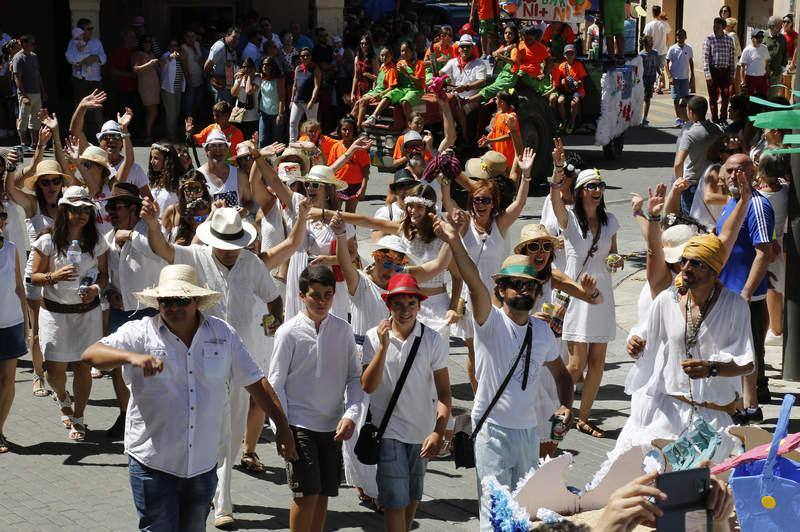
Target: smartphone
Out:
[685,508]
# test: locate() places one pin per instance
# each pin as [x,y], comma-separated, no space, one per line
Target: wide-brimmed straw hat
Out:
[178,280]
[489,165]
[76,196]
[390,242]
[98,155]
[296,152]
[516,266]
[403,283]
[225,230]
[324,176]
[674,239]
[533,232]
[44,168]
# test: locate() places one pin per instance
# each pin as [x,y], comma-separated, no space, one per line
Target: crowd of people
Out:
[219,294]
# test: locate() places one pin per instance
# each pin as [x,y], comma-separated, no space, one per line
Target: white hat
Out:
[391,242]
[673,240]
[76,196]
[216,136]
[411,136]
[98,155]
[178,280]
[244,148]
[225,230]
[466,39]
[586,176]
[289,172]
[324,176]
[109,128]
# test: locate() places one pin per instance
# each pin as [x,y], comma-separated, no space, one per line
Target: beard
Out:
[416,161]
[521,303]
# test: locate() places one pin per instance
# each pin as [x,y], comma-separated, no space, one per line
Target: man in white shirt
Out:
[506,338]
[314,366]
[753,66]
[252,50]
[658,29]
[87,57]
[467,76]
[226,266]
[680,72]
[177,366]
[416,428]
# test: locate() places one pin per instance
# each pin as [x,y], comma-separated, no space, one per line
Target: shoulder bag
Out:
[562,303]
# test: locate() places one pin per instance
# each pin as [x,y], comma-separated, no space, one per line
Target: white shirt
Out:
[472,72]
[679,58]
[414,415]
[169,70]
[658,30]
[133,267]
[66,292]
[754,60]
[316,375]
[367,308]
[88,72]
[241,286]
[10,307]
[173,419]
[497,345]
[392,213]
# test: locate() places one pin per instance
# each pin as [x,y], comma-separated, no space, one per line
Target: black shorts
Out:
[350,192]
[319,469]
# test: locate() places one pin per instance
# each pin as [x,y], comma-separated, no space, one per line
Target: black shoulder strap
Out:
[401,381]
[526,348]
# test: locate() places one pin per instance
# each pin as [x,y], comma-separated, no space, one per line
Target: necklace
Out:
[691,330]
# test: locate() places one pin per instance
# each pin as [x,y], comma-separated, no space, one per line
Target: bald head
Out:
[737,163]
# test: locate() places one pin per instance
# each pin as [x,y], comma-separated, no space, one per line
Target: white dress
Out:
[433,310]
[35,225]
[549,220]
[584,322]
[64,337]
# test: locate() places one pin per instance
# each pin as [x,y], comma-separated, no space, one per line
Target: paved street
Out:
[50,484]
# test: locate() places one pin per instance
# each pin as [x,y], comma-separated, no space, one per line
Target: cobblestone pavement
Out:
[48,483]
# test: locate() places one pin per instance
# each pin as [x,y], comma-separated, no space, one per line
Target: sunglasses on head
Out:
[83,209]
[56,181]
[595,186]
[694,263]
[174,301]
[533,247]
[518,284]
[482,200]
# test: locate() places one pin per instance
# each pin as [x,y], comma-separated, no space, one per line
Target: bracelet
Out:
[48,278]
[595,294]
[556,186]
[639,213]
[713,369]
[653,218]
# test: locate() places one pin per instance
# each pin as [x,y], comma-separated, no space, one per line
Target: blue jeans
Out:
[401,474]
[268,129]
[506,454]
[166,503]
[687,197]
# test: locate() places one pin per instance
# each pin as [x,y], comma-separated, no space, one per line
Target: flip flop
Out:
[587,428]
[3,444]
[252,463]
[39,389]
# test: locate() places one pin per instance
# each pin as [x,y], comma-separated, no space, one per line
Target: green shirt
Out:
[776,46]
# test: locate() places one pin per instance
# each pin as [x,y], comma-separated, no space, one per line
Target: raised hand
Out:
[637,202]
[588,283]
[655,199]
[124,119]
[362,143]
[94,100]
[189,124]
[383,331]
[149,212]
[337,224]
[681,184]
[526,162]
[445,231]
[276,148]
[45,134]
[558,152]
[304,207]
[49,120]
[72,148]
[458,219]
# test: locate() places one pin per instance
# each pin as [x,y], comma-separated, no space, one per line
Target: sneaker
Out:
[746,416]
[645,123]
[224,521]
[117,430]
[773,339]
[370,120]
[96,373]
[678,122]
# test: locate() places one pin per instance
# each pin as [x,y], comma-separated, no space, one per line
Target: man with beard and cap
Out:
[700,353]
[509,342]
[224,265]
[224,180]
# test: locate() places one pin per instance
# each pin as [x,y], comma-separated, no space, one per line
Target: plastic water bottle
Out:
[74,257]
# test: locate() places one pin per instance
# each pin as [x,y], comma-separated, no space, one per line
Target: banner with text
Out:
[571,11]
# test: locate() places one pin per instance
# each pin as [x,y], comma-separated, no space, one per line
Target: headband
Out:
[417,200]
[159,147]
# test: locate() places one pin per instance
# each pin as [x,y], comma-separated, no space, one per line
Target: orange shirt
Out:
[389,76]
[530,58]
[398,150]
[352,171]
[232,133]
[419,72]
[487,9]
[500,129]
[577,71]
[442,55]
[567,34]
[325,143]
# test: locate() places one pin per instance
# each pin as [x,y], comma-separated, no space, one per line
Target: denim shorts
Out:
[679,88]
[401,474]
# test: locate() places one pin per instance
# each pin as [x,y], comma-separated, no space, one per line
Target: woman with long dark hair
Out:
[365,69]
[590,241]
[163,174]
[181,219]
[271,102]
[350,161]
[70,319]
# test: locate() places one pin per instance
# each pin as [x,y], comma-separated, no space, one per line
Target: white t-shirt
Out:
[754,60]
[367,308]
[658,30]
[414,415]
[10,307]
[473,71]
[392,213]
[136,176]
[497,344]
[679,58]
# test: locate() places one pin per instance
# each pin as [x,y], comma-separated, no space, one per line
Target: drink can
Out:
[548,308]
[266,322]
[611,260]
[557,427]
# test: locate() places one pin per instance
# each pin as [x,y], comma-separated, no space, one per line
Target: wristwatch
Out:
[713,369]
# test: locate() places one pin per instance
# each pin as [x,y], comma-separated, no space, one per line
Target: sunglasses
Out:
[110,137]
[595,186]
[193,190]
[3,216]
[313,185]
[174,301]
[83,209]
[483,200]
[694,263]
[389,265]
[519,284]
[114,205]
[533,247]
[56,181]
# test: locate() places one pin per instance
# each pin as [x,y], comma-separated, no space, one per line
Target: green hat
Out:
[517,266]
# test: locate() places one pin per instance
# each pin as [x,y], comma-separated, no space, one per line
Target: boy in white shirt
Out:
[680,70]
[753,66]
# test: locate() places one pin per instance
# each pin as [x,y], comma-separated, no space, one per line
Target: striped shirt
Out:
[718,53]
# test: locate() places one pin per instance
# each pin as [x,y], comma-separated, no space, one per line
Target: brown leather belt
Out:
[729,408]
[79,308]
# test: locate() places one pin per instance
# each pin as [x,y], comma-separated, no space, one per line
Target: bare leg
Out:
[749,388]
[351,204]
[381,106]
[646,107]
[81,386]
[594,375]
[575,107]
[473,381]
[578,356]
[411,510]
[406,107]
[448,125]
[320,513]
[301,514]
[36,349]
[775,310]
[57,379]
[255,423]
[150,119]
[8,370]
[562,111]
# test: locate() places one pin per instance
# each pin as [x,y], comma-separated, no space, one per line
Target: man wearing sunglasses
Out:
[507,445]
[700,352]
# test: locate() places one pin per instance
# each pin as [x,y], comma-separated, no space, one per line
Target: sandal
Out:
[78,430]
[252,463]
[39,389]
[66,419]
[3,444]
[587,428]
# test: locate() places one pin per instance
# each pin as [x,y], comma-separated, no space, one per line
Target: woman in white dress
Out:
[39,200]
[589,240]
[71,300]
[164,174]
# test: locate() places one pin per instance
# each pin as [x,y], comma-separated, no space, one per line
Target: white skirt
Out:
[64,337]
[357,474]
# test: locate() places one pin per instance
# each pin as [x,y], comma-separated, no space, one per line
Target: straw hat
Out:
[298,153]
[324,175]
[243,149]
[225,230]
[674,239]
[403,283]
[490,164]
[97,155]
[76,196]
[587,176]
[44,168]
[533,232]
[178,280]
[516,266]
[216,136]
[390,242]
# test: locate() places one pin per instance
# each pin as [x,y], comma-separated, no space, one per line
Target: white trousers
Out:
[296,113]
[230,445]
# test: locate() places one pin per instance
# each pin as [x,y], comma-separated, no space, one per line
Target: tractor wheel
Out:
[538,128]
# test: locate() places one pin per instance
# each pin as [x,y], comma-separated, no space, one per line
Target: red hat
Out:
[403,283]
[466,29]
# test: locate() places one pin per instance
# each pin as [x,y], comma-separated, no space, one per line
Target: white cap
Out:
[466,39]
[673,240]
[586,176]
[216,136]
[411,136]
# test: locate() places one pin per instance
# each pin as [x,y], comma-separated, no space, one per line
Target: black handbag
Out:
[463,443]
[368,445]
